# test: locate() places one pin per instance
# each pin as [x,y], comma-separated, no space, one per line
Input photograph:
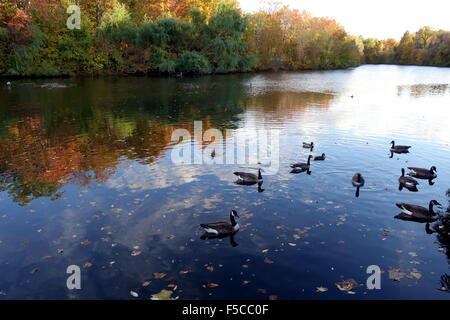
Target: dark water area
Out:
[87,178]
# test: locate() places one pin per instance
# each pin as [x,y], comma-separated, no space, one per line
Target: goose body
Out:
[302,165]
[249,177]
[423,173]
[213,154]
[399,148]
[222,227]
[407,182]
[308,145]
[358,180]
[320,158]
[414,212]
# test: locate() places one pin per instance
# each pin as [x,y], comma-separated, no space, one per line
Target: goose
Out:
[407,182]
[319,158]
[249,177]
[418,213]
[223,228]
[399,149]
[422,173]
[308,145]
[303,166]
[358,180]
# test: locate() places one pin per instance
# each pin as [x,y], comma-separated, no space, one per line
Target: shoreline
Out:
[193,75]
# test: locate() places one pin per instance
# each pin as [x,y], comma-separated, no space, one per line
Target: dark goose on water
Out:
[399,148]
[249,177]
[302,165]
[417,213]
[320,158]
[222,227]
[358,180]
[407,182]
[423,173]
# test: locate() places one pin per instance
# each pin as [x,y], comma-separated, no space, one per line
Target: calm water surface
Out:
[86,178]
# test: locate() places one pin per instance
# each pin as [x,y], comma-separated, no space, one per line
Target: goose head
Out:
[393,143]
[435,203]
[403,172]
[433,169]
[234,214]
[432,204]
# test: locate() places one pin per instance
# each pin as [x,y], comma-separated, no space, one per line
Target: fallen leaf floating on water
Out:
[347,285]
[87,265]
[159,275]
[260,290]
[396,274]
[170,237]
[321,289]
[135,253]
[34,270]
[85,242]
[163,295]
[268,261]
[210,268]
[134,294]
[414,274]
[212,285]
[184,271]
[413,254]
[146,283]
[273,297]
[172,285]
[246,282]
[264,250]
[46,257]
[60,251]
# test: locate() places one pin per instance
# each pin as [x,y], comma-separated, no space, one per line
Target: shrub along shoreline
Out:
[190,37]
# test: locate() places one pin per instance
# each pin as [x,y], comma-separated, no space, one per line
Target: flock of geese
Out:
[409,212]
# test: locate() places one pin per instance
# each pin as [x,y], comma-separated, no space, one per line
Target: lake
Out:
[88,178]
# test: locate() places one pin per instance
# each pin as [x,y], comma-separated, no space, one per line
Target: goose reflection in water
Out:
[208,236]
[299,170]
[397,152]
[250,183]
